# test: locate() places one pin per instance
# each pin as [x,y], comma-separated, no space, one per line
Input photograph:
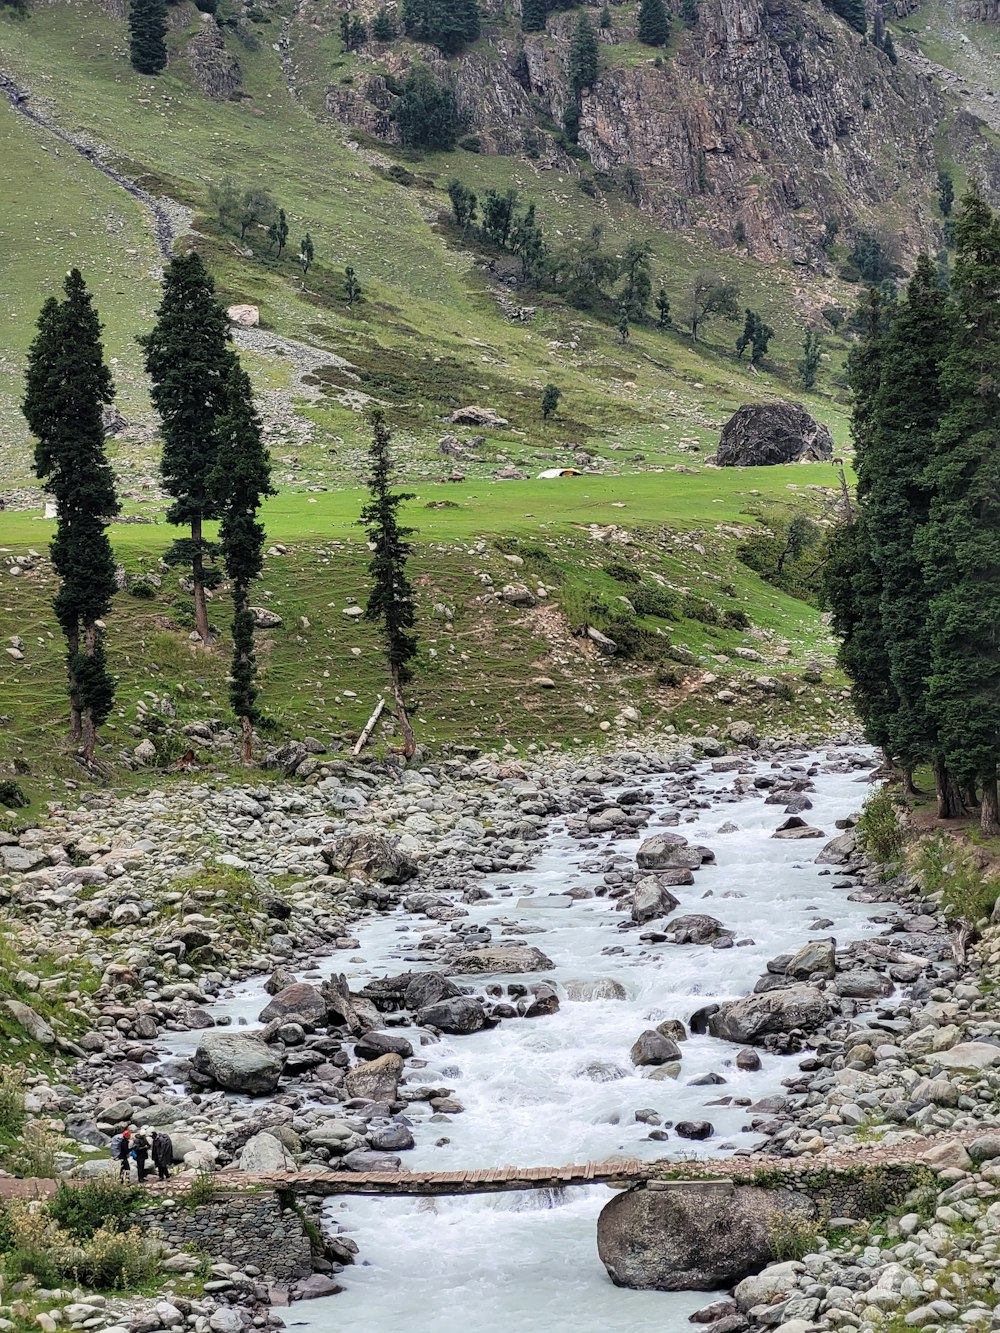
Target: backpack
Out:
[115,1147]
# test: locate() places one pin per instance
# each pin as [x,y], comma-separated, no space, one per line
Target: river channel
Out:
[561,1088]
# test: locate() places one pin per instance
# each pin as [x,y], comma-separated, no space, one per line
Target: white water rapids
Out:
[528,1261]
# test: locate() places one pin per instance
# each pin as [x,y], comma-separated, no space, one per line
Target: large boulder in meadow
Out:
[763,434]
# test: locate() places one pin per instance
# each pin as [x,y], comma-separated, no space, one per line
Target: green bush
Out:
[881,834]
[12,794]
[85,1209]
[12,1111]
[968,892]
[649,599]
[622,573]
[793,1236]
[142,589]
[116,1261]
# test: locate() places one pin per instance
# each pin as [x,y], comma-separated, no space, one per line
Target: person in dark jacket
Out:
[125,1153]
[140,1151]
[163,1154]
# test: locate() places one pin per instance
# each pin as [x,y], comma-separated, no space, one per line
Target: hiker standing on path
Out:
[120,1148]
[163,1154]
[140,1151]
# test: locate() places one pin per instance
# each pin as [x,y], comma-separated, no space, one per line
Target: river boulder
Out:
[755,1017]
[696,928]
[375,1080]
[459,1015]
[667,851]
[816,957]
[652,899]
[265,1153]
[369,855]
[301,999]
[694,1237]
[502,958]
[653,1048]
[237,1062]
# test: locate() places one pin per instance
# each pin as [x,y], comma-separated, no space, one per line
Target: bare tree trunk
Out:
[990,813]
[247,739]
[75,713]
[845,495]
[368,728]
[409,743]
[89,726]
[198,580]
[908,788]
[949,798]
[970,797]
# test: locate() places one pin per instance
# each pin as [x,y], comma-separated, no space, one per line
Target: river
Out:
[561,1088]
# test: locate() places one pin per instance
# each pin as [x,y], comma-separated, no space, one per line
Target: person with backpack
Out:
[163,1154]
[120,1149]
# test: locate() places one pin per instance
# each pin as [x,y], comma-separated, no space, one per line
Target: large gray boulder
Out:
[755,1017]
[652,899]
[502,958]
[692,1238]
[369,855]
[762,434]
[459,1016]
[238,1062]
[32,1023]
[376,1080]
[667,851]
[265,1153]
[300,998]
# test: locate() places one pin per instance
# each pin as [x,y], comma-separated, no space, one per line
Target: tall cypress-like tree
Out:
[189,359]
[852,579]
[390,603]
[67,386]
[654,26]
[147,22]
[242,478]
[583,56]
[906,412]
[960,543]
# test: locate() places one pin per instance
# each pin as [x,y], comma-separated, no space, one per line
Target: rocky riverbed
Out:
[469,883]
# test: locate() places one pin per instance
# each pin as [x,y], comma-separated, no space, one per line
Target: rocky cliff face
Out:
[766,119]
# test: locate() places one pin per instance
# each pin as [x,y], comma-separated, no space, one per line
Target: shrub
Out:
[666,674]
[12,794]
[881,834]
[649,599]
[116,1261]
[109,1260]
[622,573]
[85,1209]
[142,589]
[36,1153]
[11,1101]
[967,892]
[793,1236]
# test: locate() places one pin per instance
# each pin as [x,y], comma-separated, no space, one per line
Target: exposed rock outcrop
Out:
[216,69]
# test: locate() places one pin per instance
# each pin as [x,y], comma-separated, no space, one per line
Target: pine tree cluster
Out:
[914,580]
[448,24]
[148,35]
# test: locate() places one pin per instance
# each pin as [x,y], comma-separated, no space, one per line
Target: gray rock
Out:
[238,1062]
[33,1024]
[692,1239]
[696,928]
[818,956]
[652,1048]
[755,1017]
[667,851]
[305,1001]
[514,958]
[460,1015]
[22,859]
[651,899]
[763,434]
[370,855]
[375,1080]
[370,1045]
[265,1153]
[601,988]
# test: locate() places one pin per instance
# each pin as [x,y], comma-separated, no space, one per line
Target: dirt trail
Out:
[163,228]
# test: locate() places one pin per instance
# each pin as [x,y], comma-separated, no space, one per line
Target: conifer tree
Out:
[809,365]
[960,543]
[663,308]
[147,21]
[906,412]
[756,335]
[189,358]
[852,581]
[583,56]
[352,287]
[383,26]
[307,252]
[241,479]
[391,602]
[67,386]
[449,24]
[277,232]
[654,26]
[533,15]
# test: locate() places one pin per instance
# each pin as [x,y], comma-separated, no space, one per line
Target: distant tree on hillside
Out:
[189,359]
[449,24]
[852,11]
[654,26]
[637,286]
[241,479]
[550,400]
[499,210]
[533,15]
[256,208]
[663,308]
[277,232]
[945,192]
[584,56]
[709,296]
[809,365]
[623,326]
[353,32]
[67,385]
[18,7]
[756,335]
[225,197]
[307,252]
[606,19]
[391,602]
[689,12]
[352,287]
[463,204]
[426,112]
[383,26]
[147,23]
